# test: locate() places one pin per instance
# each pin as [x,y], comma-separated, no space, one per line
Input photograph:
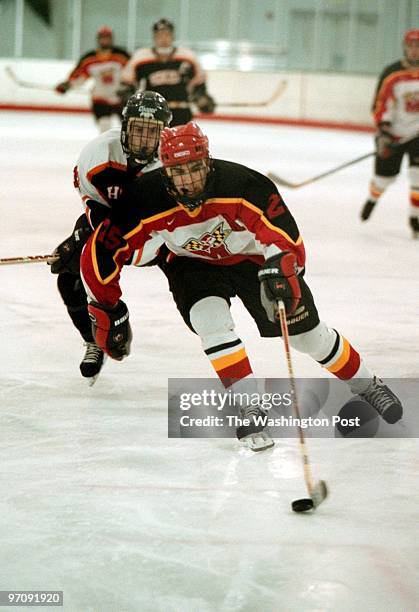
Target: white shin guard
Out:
[212,321]
[318,342]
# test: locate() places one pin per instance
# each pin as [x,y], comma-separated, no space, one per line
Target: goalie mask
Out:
[143,119]
[186,164]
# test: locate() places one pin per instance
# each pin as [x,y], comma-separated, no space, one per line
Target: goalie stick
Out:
[276,94]
[8,261]
[31,85]
[317,492]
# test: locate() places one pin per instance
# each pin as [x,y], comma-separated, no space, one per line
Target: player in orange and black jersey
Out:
[173,72]
[396,116]
[104,65]
[229,234]
[106,166]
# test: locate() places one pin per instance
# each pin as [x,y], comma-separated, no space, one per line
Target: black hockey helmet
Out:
[143,119]
[163,24]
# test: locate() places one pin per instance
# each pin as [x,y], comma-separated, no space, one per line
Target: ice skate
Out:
[253,435]
[385,402]
[92,362]
[367,209]
[414,224]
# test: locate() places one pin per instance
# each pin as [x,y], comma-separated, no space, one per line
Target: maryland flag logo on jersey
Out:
[211,243]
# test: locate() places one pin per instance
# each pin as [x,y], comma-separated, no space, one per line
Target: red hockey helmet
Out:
[182,144]
[411,47]
[411,36]
[104,31]
[187,169]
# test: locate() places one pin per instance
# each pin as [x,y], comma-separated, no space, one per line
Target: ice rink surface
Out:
[98,502]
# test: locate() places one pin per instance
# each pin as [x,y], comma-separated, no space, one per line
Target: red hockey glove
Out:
[111,329]
[278,277]
[63,87]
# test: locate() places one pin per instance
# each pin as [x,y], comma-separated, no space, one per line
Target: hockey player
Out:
[173,72]
[105,166]
[396,116]
[230,234]
[104,65]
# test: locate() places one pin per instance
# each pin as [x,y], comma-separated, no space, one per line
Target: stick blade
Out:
[319,493]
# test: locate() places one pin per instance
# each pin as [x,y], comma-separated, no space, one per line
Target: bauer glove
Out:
[278,277]
[111,329]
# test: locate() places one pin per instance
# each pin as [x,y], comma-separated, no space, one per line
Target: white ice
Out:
[98,502]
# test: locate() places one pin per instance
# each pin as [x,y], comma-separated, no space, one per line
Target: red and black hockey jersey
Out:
[104,67]
[243,217]
[174,77]
[396,99]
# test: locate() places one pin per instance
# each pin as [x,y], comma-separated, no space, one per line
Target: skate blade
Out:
[92,379]
[257,441]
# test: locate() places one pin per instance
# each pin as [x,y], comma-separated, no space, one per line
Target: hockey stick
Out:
[276,94]
[317,492]
[9,261]
[280,181]
[30,85]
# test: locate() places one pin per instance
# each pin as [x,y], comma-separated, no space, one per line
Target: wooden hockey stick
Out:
[276,94]
[317,492]
[9,261]
[31,85]
[281,181]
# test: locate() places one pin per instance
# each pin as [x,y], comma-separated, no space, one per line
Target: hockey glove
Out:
[278,277]
[111,329]
[206,104]
[63,87]
[385,141]
[69,252]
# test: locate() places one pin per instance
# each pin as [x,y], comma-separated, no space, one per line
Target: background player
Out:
[103,65]
[228,230]
[173,72]
[105,166]
[396,116]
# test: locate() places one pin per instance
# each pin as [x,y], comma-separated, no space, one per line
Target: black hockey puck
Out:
[302,505]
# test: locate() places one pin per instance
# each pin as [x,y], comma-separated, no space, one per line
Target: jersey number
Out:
[110,236]
[275,206]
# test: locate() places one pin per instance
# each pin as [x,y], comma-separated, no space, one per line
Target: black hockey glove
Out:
[111,329]
[206,104]
[278,277]
[385,141]
[69,252]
